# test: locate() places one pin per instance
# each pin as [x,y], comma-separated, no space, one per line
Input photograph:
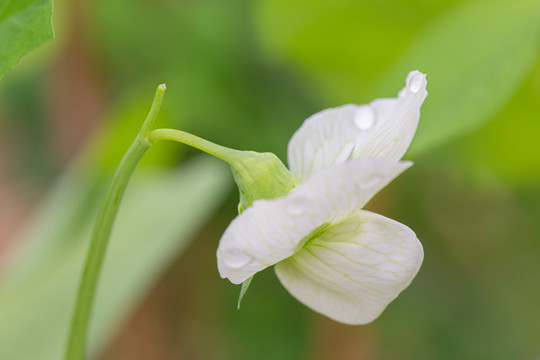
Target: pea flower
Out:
[341,261]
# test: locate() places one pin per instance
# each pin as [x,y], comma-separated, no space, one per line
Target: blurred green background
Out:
[245,75]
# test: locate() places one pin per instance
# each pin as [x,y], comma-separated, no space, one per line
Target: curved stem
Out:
[229,155]
[76,346]
[98,245]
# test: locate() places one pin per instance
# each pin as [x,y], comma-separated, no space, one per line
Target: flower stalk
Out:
[259,176]
[76,345]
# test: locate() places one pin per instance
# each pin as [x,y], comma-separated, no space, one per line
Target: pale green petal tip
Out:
[245,286]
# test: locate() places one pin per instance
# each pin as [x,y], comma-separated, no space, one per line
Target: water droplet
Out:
[370,181]
[364,118]
[236,258]
[297,206]
[416,82]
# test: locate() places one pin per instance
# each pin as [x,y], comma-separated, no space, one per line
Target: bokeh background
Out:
[245,74]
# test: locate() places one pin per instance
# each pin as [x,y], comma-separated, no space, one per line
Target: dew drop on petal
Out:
[370,181]
[416,83]
[364,118]
[236,258]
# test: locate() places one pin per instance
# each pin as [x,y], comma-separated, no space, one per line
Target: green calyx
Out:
[261,176]
[258,175]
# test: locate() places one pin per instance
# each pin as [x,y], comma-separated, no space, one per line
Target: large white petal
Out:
[355,269]
[383,128]
[272,230]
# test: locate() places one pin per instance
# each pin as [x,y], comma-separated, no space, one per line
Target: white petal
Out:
[383,128]
[355,269]
[272,230]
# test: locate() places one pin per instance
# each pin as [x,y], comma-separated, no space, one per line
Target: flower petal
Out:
[383,128]
[272,230]
[355,269]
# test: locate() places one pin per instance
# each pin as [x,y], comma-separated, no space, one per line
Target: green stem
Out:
[229,155]
[76,346]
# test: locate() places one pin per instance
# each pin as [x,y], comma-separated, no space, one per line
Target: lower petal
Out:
[272,230]
[355,269]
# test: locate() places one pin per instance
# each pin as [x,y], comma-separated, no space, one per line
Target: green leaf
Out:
[343,45]
[476,54]
[508,145]
[245,90]
[162,210]
[476,57]
[24,26]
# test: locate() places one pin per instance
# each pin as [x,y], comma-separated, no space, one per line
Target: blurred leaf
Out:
[220,86]
[161,212]
[342,46]
[24,25]
[508,145]
[476,295]
[119,129]
[476,55]
[270,325]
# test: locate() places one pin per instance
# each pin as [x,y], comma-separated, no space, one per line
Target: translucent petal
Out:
[272,230]
[383,128]
[355,269]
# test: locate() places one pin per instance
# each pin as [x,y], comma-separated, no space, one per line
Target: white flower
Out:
[339,260]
